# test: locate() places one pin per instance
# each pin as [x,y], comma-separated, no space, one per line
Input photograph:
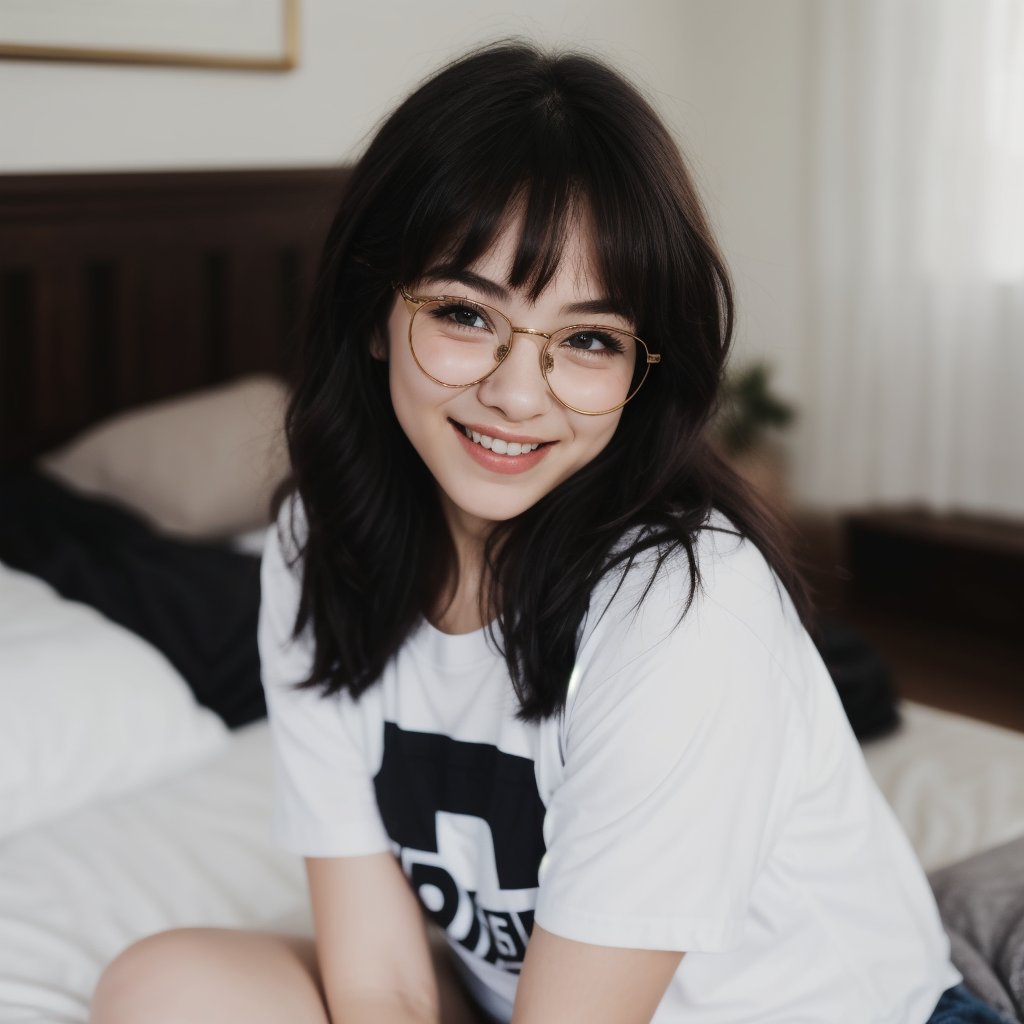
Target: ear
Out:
[379,347]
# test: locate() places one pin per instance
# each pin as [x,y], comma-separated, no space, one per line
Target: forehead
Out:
[573,269]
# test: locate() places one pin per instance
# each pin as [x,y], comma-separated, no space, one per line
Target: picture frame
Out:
[258,35]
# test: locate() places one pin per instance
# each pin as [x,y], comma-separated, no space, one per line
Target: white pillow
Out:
[87,709]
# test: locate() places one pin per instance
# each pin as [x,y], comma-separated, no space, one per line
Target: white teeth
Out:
[498,445]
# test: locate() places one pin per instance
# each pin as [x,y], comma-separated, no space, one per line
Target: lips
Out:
[494,460]
[499,442]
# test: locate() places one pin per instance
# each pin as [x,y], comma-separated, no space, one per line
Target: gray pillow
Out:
[981,900]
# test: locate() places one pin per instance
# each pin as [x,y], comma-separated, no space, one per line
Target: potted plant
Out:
[749,418]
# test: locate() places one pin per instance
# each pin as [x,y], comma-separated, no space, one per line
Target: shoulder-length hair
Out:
[510,128]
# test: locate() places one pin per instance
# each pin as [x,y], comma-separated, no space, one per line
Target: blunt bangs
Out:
[463,209]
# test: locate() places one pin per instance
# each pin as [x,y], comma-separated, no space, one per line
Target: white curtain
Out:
[915,361]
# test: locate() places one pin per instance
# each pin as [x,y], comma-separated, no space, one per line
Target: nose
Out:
[517,388]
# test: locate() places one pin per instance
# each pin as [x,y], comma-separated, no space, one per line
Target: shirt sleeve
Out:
[323,802]
[682,756]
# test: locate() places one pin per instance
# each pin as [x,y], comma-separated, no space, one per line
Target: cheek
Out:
[404,399]
[596,432]
[415,398]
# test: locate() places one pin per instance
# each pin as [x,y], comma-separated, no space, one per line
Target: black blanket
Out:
[197,603]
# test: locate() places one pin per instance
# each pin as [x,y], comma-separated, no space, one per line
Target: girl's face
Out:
[479,486]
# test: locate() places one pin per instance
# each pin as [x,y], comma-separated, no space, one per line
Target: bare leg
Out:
[210,974]
[199,975]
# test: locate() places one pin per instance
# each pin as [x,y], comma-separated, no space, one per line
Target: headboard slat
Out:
[101,296]
[116,289]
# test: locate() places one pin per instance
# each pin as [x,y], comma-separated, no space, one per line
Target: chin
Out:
[495,512]
[492,509]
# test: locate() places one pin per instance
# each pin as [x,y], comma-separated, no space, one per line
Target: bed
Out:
[134,782]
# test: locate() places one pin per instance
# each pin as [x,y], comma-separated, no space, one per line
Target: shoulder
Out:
[734,582]
[737,648]
[672,699]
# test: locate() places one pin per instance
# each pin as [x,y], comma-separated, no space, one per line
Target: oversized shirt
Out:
[701,791]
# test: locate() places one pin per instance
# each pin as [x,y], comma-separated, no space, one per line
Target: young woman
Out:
[535,659]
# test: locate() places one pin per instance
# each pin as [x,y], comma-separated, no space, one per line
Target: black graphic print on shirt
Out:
[468,821]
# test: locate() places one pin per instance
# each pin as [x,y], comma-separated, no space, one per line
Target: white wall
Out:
[356,60]
[746,96]
[746,125]
[728,75]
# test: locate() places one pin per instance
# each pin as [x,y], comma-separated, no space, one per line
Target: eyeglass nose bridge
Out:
[547,360]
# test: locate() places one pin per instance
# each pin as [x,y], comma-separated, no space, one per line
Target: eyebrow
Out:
[493,290]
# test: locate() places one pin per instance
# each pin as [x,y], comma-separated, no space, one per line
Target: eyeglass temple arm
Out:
[411,302]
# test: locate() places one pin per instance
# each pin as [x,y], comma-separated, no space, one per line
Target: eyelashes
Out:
[610,343]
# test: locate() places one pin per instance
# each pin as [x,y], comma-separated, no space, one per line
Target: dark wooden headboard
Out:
[119,289]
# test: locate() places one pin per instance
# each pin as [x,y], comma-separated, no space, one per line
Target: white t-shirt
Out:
[702,791]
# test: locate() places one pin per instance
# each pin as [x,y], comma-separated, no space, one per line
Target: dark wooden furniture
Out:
[957,571]
[118,289]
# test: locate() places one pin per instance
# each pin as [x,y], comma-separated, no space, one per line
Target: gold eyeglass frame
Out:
[413,303]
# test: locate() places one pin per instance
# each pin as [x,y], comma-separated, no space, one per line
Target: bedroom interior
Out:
[94,325]
[160,303]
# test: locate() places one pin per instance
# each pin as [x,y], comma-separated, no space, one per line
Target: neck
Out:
[459,608]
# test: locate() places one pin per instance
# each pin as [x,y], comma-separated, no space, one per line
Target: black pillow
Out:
[862,678]
[198,603]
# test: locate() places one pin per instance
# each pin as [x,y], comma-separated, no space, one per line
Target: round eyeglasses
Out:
[589,368]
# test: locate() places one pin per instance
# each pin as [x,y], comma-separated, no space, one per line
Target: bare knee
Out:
[211,974]
[133,981]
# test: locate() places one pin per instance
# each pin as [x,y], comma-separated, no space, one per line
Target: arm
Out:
[579,983]
[371,942]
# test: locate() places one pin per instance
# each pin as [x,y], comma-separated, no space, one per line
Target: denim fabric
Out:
[959,1005]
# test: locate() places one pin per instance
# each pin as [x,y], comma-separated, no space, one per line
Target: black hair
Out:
[510,127]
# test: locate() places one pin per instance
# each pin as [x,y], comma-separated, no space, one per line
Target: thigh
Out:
[212,974]
[217,974]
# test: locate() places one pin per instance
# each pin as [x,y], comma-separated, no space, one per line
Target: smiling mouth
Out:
[497,444]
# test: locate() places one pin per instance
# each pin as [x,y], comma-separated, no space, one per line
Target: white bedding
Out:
[195,850]
[956,784]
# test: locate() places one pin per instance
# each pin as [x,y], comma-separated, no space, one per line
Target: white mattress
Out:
[956,784]
[195,850]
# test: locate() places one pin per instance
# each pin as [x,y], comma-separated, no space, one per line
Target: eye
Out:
[461,313]
[595,341]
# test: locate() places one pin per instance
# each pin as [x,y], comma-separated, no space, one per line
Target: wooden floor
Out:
[964,670]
